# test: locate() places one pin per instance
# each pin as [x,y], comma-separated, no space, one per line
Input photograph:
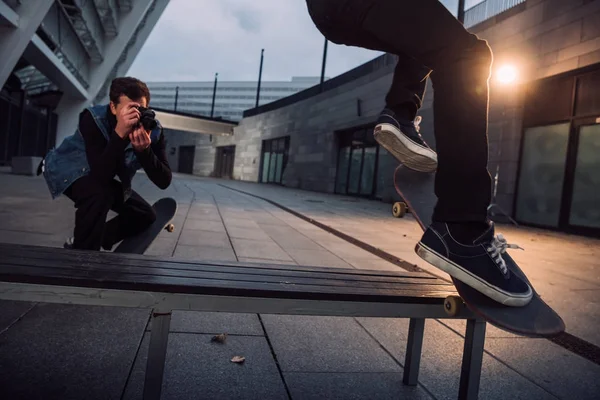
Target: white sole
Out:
[407,152]
[456,271]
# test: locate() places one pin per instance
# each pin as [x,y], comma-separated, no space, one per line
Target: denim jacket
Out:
[68,162]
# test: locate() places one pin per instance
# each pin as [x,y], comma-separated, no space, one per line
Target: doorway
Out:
[274,159]
[357,163]
[224,161]
[186,159]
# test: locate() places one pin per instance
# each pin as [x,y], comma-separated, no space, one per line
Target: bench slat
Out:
[211,272]
[176,263]
[141,282]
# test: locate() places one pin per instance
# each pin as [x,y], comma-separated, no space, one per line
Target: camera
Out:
[147,118]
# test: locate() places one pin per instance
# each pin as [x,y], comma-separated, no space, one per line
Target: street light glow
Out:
[506,74]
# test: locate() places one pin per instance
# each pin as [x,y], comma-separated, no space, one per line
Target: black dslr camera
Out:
[147,118]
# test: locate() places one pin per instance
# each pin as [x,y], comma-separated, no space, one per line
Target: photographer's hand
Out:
[127,119]
[140,139]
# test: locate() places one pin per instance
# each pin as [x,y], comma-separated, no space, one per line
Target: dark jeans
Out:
[93,201]
[430,42]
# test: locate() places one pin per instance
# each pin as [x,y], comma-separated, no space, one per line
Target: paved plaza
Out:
[50,351]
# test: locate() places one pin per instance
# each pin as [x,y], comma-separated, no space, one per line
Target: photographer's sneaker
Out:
[403,140]
[483,264]
[69,243]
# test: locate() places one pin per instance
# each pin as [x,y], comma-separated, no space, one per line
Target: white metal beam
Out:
[134,46]
[8,17]
[69,107]
[15,40]
[195,125]
[45,61]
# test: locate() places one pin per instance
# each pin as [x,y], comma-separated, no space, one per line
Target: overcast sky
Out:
[193,39]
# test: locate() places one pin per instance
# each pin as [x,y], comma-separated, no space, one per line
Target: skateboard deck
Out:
[165,211]
[536,319]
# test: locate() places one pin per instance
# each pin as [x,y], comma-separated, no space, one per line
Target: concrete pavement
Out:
[72,352]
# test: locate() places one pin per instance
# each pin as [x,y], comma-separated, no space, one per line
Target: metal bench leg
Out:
[157,352]
[412,360]
[470,373]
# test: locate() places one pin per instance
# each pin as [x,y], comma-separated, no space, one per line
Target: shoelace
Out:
[417,123]
[498,247]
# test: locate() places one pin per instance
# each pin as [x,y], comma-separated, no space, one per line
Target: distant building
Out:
[232,97]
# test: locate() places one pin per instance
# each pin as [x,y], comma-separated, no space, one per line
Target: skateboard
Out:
[536,319]
[165,211]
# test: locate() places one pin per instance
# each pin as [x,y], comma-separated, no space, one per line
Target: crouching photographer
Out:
[94,166]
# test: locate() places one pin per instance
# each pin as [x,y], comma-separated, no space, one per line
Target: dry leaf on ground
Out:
[219,338]
[238,359]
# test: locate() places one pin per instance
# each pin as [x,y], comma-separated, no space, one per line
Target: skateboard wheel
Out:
[399,209]
[170,228]
[452,305]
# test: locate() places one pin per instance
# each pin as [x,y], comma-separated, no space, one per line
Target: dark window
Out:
[587,100]
[549,99]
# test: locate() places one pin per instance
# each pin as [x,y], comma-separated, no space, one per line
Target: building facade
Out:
[544,128]
[59,56]
[231,97]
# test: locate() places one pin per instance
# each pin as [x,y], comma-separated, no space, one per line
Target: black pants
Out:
[93,201]
[430,42]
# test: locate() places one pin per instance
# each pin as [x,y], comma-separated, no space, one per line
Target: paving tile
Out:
[259,249]
[192,237]
[241,222]
[70,352]
[204,253]
[351,386]
[162,247]
[204,214]
[37,239]
[12,311]
[266,261]
[345,249]
[325,344]
[559,371]
[215,323]
[246,233]
[196,368]
[441,360]
[374,263]
[204,225]
[317,258]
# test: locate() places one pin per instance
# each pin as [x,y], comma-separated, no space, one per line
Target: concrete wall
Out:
[311,125]
[204,153]
[541,37]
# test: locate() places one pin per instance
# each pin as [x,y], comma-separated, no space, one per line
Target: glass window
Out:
[542,174]
[342,170]
[585,204]
[265,167]
[368,172]
[354,175]
[587,101]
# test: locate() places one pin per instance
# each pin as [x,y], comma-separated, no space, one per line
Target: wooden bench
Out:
[43,274]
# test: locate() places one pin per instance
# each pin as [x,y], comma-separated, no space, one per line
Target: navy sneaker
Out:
[69,243]
[403,140]
[482,264]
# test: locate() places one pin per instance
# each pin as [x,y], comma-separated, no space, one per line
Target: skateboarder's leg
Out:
[461,240]
[396,129]
[92,201]
[134,215]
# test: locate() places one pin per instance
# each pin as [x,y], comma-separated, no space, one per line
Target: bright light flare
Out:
[507,74]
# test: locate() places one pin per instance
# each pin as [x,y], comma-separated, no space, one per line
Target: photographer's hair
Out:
[130,87]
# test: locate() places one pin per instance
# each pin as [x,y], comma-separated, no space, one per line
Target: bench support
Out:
[472,361]
[157,353]
[412,361]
